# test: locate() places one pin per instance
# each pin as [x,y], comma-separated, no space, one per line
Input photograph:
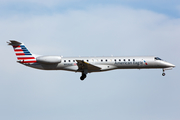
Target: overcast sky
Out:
[90,28]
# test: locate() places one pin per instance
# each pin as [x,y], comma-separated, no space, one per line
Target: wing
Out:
[86,66]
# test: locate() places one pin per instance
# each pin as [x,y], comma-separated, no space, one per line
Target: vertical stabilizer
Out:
[22,53]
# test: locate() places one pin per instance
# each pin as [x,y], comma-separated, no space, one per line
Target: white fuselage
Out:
[85,65]
[104,63]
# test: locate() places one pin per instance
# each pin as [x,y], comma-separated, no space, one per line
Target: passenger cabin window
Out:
[64,60]
[157,58]
[114,59]
[128,59]
[119,59]
[133,59]
[124,59]
[69,60]
[106,60]
[87,60]
[101,60]
[73,60]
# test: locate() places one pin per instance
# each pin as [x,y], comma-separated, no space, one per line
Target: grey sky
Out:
[89,28]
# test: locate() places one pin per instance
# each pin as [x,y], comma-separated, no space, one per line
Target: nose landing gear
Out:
[163,74]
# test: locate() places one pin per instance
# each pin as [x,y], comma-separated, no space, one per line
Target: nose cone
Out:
[173,66]
[169,65]
[164,64]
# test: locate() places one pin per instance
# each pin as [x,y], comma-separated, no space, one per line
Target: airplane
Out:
[86,65]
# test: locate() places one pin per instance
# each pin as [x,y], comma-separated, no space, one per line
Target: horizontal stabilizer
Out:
[13,42]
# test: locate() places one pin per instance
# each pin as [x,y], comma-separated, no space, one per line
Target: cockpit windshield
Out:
[157,58]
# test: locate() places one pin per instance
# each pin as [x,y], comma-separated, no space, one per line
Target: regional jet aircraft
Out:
[86,65]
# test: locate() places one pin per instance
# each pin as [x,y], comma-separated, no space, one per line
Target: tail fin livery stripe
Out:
[19,52]
[17,47]
[16,50]
[25,58]
[22,53]
[24,48]
[27,53]
[28,61]
[25,61]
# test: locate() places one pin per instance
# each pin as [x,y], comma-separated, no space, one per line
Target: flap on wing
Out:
[84,65]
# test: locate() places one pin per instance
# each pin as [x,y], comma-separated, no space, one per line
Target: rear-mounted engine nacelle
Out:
[49,59]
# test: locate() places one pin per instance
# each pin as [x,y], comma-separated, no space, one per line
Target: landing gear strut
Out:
[163,74]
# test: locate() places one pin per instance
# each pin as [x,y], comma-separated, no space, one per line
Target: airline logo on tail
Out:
[22,53]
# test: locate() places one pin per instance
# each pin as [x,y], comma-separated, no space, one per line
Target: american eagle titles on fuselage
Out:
[86,65]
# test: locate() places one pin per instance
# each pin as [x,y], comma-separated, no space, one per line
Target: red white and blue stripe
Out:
[23,54]
[145,62]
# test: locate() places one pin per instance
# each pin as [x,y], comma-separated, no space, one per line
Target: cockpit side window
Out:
[157,58]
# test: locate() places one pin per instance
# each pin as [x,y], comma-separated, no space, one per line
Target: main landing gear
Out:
[163,74]
[84,73]
[83,76]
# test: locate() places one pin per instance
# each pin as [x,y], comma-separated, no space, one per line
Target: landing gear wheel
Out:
[83,76]
[163,74]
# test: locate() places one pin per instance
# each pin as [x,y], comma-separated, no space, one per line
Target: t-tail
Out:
[22,53]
